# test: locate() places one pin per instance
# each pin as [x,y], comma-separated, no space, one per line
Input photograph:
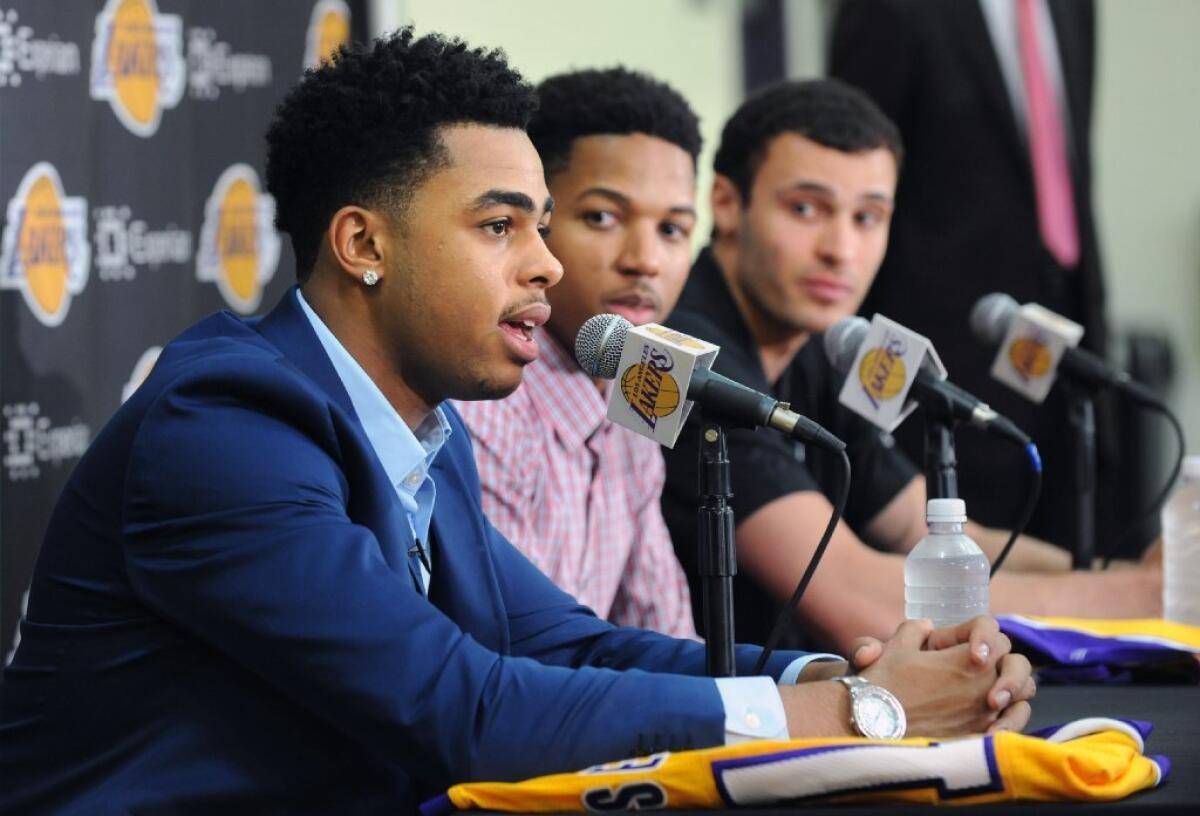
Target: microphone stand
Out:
[718,559]
[1081,419]
[941,474]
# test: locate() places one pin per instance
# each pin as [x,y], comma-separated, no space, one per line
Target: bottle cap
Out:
[1191,467]
[946,510]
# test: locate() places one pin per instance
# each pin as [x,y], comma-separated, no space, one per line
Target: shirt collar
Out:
[575,407]
[705,286]
[405,455]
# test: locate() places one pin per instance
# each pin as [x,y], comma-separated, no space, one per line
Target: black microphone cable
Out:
[1114,543]
[786,614]
[1031,500]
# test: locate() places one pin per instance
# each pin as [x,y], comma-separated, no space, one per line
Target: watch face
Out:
[878,714]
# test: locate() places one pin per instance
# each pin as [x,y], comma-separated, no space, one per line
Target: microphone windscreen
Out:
[991,317]
[599,343]
[843,339]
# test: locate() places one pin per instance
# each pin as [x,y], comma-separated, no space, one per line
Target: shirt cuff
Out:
[753,707]
[792,673]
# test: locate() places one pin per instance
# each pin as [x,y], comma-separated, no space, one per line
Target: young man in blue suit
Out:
[269,585]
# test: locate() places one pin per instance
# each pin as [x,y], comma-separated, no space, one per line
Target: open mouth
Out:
[521,329]
[518,327]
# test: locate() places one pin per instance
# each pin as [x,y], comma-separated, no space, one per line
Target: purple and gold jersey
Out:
[1096,759]
[1081,650]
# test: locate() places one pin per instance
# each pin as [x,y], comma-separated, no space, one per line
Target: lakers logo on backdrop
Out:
[137,62]
[239,247]
[45,249]
[882,372]
[649,388]
[328,28]
[1030,357]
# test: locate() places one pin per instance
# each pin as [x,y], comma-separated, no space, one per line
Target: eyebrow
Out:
[624,201]
[826,190]
[510,198]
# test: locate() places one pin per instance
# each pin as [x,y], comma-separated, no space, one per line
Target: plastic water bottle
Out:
[1181,547]
[946,574]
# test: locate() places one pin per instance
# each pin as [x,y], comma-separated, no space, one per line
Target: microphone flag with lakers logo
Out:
[1035,340]
[883,371]
[650,397]
[661,372]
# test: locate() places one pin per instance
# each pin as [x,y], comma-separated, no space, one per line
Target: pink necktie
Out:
[1047,146]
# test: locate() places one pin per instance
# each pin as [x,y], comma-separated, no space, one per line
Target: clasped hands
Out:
[952,681]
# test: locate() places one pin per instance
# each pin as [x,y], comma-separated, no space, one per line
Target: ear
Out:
[358,240]
[726,207]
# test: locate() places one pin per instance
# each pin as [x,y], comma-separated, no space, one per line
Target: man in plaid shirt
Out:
[578,495]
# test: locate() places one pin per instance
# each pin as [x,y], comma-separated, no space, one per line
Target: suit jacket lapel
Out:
[464,584]
[375,503]
[1074,27]
[969,31]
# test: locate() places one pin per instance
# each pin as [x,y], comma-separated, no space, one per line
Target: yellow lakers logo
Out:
[1030,357]
[239,247]
[328,29]
[882,371]
[648,387]
[141,370]
[45,249]
[137,62]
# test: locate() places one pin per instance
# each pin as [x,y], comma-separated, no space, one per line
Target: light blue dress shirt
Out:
[406,455]
[753,707]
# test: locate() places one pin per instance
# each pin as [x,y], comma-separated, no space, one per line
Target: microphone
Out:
[603,340]
[842,344]
[993,316]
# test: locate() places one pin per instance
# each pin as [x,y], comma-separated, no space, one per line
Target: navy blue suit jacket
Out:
[223,615]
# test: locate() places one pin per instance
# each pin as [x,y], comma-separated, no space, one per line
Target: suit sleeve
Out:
[236,529]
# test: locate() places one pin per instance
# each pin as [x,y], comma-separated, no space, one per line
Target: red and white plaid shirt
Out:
[579,496]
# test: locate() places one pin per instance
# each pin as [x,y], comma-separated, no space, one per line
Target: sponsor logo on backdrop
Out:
[32,440]
[137,62]
[122,244]
[213,65]
[45,251]
[328,28]
[239,247]
[141,370]
[22,54]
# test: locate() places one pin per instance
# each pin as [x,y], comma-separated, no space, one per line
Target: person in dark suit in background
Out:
[269,585]
[994,101]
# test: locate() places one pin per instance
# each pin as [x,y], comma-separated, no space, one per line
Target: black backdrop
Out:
[131,162]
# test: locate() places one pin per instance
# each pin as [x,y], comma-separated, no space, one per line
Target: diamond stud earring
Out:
[370,277]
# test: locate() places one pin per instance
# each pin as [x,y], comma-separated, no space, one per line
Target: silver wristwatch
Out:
[875,712]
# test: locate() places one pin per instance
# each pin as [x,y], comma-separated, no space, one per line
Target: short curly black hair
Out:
[827,111]
[604,101]
[362,128]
